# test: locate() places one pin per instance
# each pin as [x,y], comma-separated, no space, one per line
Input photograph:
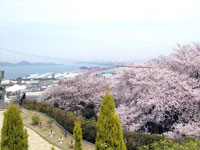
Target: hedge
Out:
[88,126]
[133,140]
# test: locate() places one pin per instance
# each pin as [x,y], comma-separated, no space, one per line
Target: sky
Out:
[96,30]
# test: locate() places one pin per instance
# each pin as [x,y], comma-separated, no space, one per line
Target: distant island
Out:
[26,63]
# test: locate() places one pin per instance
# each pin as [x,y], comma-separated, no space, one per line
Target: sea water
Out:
[13,72]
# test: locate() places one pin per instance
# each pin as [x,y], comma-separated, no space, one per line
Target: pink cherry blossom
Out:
[165,91]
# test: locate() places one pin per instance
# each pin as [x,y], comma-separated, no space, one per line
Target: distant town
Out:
[32,86]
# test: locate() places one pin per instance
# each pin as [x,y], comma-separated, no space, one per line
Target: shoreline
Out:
[13,73]
[48,74]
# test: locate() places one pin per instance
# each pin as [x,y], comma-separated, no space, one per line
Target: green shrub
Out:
[135,140]
[89,129]
[35,120]
[188,144]
[50,122]
[89,111]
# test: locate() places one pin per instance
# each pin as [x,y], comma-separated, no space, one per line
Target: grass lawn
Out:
[45,129]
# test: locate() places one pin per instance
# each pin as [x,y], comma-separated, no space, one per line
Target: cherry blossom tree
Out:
[160,96]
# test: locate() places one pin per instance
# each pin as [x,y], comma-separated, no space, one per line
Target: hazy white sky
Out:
[86,30]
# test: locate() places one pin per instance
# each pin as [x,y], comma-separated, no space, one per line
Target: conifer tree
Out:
[77,133]
[109,130]
[13,135]
[52,148]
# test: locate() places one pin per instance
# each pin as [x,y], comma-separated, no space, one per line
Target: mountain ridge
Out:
[26,63]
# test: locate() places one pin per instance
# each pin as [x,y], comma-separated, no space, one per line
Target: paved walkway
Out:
[35,141]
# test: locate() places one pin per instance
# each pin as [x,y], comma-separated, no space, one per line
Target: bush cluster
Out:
[188,144]
[135,140]
[89,111]
[35,120]
[132,140]
[88,126]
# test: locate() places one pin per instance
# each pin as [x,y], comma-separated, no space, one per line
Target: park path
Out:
[36,142]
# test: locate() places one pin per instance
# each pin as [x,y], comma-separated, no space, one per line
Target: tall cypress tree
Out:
[77,133]
[109,130]
[52,148]
[13,135]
